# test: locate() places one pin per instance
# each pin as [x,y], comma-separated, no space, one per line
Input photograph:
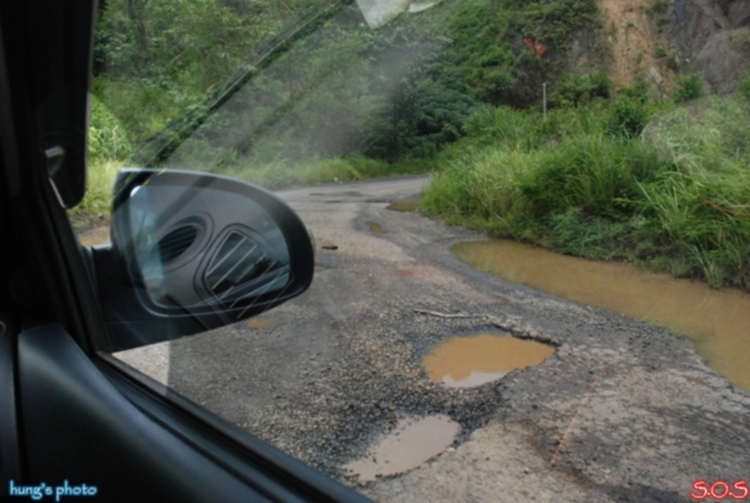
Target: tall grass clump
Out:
[582,89]
[504,126]
[711,134]
[598,174]
[675,197]
[483,186]
[628,117]
[283,173]
[566,122]
[108,148]
[702,207]
[689,87]
[552,196]
[744,87]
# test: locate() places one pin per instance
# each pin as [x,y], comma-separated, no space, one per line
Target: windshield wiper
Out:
[160,146]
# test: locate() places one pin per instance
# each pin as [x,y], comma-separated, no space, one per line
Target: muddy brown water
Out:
[376,227]
[412,442]
[94,237]
[717,321]
[406,205]
[463,362]
[263,323]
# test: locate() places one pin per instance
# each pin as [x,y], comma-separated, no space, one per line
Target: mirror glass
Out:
[194,248]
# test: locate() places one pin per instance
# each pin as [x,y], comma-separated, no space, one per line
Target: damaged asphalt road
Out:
[622,411]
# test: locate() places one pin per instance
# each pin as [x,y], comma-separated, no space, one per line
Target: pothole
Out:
[715,320]
[94,237]
[406,205]
[376,227]
[263,323]
[463,362]
[412,442]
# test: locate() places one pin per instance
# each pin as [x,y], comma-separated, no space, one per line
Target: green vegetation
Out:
[287,93]
[313,75]
[334,169]
[628,117]
[109,147]
[577,89]
[745,86]
[689,87]
[675,197]
[297,91]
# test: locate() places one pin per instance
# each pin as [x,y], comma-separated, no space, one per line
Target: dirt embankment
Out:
[636,44]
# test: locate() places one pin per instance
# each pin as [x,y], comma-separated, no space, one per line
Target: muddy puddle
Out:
[717,321]
[376,227]
[263,323]
[94,237]
[406,205]
[412,442]
[464,362]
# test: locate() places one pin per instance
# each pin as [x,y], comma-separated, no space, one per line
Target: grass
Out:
[664,185]
[282,174]
[676,197]
[110,148]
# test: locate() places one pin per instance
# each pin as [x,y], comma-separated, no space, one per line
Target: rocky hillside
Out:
[656,39]
[711,37]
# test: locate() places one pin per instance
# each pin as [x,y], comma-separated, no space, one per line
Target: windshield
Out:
[532,225]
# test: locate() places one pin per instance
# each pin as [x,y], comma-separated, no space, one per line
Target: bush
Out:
[689,87]
[582,89]
[108,140]
[109,147]
[637,91]
[628,117]
[511,128]
[745,86]
[596,173]
[676,198]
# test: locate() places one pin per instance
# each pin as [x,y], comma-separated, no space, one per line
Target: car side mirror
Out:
[193,251]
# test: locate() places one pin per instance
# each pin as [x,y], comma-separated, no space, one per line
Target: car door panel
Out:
[91,424]
[79,428]
[10,465]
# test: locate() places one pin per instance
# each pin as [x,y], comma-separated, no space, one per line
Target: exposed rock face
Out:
[712,38]
[739,14]
[723,61]
[651,39]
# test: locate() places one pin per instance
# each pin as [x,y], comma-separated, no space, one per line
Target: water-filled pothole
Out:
[263,323]
[716,321]
[412,442]
[463,362]
[376,227]
[406,205]
[94,237]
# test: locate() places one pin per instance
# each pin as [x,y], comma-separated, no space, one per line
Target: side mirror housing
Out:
[194,251]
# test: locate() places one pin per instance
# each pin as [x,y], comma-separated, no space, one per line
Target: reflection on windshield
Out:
[312,102]
[380,12]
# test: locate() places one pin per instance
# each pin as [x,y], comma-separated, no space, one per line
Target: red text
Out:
[719,490]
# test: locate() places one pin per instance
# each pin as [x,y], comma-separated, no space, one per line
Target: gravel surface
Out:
[622,411]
